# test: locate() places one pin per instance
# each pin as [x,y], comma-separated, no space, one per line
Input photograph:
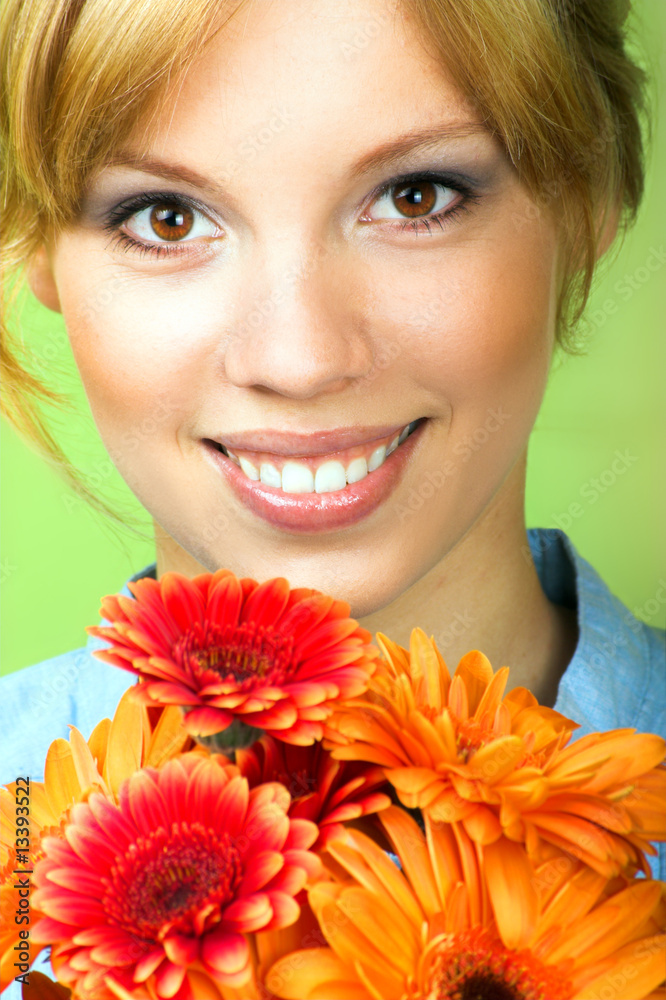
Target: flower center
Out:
[175,879]
[474,965]
[243,653]
[471,735]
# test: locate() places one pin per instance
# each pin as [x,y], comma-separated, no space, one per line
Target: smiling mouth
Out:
[319,473]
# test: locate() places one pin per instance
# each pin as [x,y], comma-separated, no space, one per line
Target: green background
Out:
[58,557]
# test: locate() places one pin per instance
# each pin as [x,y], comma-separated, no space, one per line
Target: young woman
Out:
[304,252]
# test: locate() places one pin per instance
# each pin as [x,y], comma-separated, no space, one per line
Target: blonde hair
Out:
[551,78]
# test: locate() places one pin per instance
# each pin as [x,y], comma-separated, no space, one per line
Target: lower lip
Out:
[312,513]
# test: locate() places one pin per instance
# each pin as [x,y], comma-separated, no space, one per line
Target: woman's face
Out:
[327,247]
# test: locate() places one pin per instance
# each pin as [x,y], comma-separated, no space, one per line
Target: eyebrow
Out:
[388,152]
[419,139]
[161,168]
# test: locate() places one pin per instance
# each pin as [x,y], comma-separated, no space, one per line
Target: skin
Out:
[374,325]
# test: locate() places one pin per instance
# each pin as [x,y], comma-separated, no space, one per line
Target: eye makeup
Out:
[126,210]
[414,182]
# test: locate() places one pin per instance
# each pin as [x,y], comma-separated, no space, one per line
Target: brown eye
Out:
[413,200]
[171,221]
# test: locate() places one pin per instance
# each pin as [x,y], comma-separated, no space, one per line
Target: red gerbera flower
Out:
[328,792]
[170,880]
[229,649]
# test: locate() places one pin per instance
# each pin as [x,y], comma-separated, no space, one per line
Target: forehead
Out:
[320,78]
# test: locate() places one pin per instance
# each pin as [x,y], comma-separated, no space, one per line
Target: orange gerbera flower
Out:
[426,932]
[328,792]
[170,879]
[227,649]
[462,752]
[74,768]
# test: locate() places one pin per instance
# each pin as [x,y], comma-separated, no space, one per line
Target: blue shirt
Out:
[616,677]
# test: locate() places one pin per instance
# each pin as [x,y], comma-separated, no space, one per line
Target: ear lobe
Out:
[41,281]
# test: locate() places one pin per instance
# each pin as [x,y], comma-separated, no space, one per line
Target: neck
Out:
[485,594]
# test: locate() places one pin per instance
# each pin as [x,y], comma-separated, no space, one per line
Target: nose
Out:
[303,329]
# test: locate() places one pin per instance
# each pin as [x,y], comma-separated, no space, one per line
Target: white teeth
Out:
[270,475]
[297,478]
[330,477]
[377,458]
[393,445]
[249,469]
[357,470]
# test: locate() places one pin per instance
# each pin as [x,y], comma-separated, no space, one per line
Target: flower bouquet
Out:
[280,809]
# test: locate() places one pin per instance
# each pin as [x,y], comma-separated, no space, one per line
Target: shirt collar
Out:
[608,678]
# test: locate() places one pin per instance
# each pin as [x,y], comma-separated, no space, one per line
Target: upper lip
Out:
[306,444]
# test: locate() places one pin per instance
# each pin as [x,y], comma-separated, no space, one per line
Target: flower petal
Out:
[510,880]
[226,953]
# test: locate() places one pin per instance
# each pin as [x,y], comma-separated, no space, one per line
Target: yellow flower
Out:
[463,752]
[431,931]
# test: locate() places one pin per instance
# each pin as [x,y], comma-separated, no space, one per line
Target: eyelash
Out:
[125,242]
[453,183]
[125,211]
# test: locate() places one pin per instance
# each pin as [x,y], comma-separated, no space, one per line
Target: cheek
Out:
[479,328]
[141,344]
